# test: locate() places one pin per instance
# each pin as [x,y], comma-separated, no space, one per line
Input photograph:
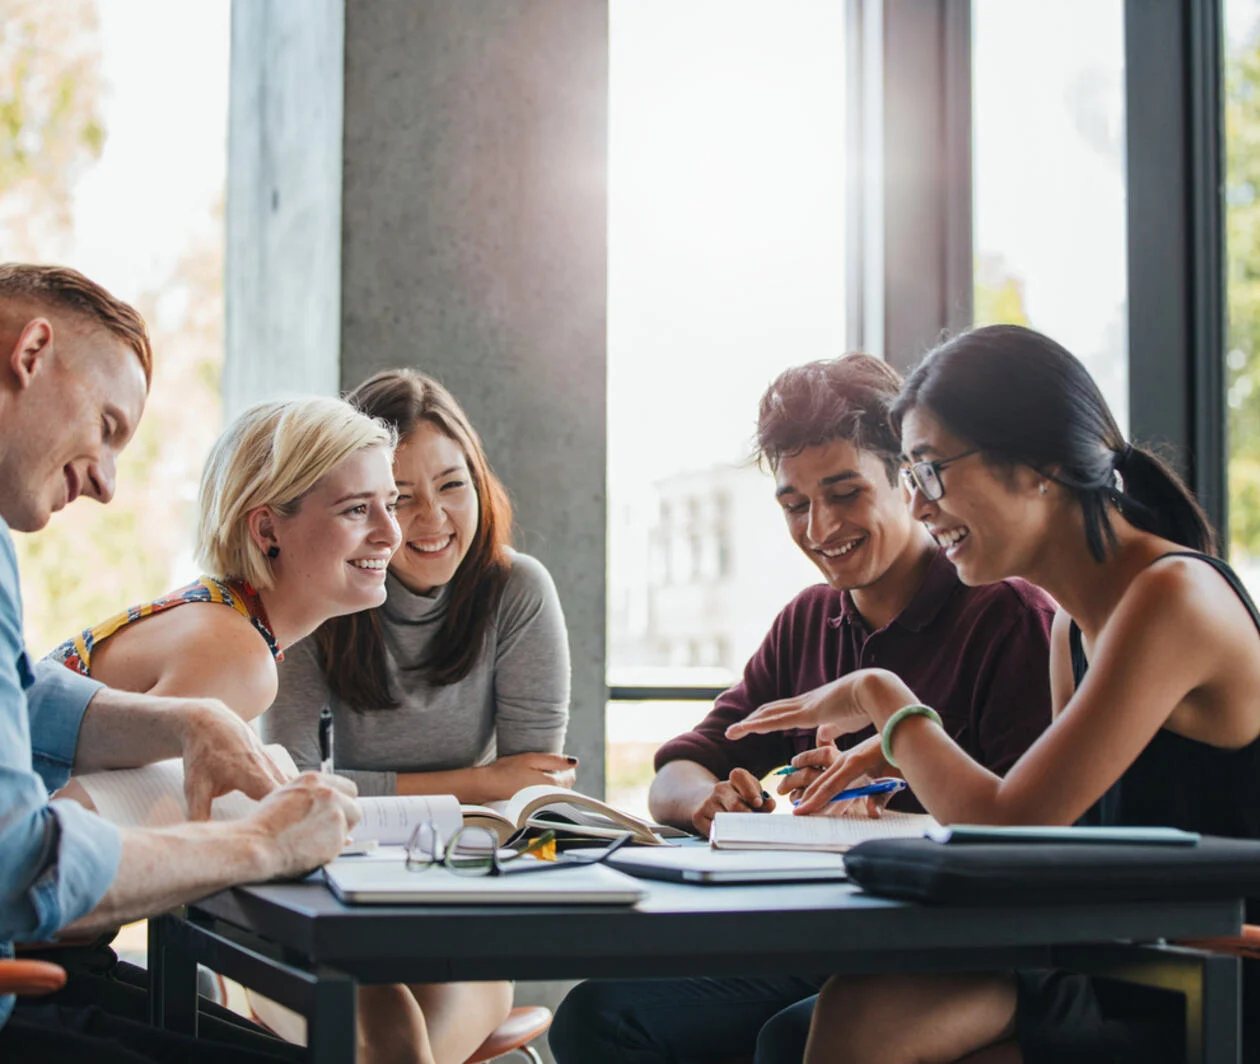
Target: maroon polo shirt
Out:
[978,655]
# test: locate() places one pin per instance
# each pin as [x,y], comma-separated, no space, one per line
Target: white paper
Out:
[391,820]
[153,797]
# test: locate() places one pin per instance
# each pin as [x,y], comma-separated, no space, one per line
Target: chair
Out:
[31,978]
[514,1034]
[1246,945]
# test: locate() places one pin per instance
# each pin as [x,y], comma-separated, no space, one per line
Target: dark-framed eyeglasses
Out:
[475,851]
[925,477]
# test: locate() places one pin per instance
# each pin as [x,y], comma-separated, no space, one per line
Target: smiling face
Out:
[438,508]
[992,522]
[77,398]
[336,547]
[844,514]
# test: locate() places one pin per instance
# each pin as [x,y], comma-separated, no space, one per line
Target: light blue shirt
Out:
[56,859]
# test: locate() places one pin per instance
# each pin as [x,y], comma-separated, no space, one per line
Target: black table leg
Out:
[1210,982]
[172,977]
[325,996]
[332,1026]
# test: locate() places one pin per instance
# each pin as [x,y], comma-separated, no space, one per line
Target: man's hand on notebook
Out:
[741,793]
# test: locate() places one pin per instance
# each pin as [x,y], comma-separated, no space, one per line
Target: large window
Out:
[123,180]
[1048,173]
[1242,237]
[726,265]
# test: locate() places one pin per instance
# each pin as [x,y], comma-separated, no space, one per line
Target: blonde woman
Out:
[296,525]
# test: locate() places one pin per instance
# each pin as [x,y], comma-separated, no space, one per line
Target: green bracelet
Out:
[885,742]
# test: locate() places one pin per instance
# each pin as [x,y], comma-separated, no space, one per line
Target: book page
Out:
[490,818]
[152,796]
[766,831]
[391,819]
[574,806]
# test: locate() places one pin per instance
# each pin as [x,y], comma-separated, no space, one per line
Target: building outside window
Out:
[726,265]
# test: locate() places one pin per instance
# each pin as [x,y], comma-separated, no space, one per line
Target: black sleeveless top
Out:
[1179,782]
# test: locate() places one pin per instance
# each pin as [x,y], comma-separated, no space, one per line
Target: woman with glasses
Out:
[1019,469]
[458,683]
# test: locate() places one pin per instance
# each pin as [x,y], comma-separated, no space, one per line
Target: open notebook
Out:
[830,834]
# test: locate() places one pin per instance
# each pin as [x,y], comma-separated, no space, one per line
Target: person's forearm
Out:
[122,729]
[163,868]
[471,785]
[678,791]
[947,782]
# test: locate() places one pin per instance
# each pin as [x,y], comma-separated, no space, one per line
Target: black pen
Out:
[326,739]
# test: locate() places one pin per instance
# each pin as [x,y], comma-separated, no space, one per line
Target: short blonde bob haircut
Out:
[272,455]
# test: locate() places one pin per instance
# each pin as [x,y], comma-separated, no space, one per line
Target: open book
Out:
[153,797]
[832,834]
[567,812]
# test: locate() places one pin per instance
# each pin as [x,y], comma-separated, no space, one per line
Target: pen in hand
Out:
[882,786]
[326,739]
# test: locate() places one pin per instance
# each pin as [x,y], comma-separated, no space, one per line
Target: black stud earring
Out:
[273,551]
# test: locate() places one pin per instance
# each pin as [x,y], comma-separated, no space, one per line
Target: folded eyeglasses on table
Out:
[475,851]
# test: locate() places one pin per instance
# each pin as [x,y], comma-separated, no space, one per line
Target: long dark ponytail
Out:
[1025,400]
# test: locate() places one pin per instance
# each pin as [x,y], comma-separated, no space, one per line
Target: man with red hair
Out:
[75,367]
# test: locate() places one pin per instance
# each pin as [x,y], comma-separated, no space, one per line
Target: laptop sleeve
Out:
[1054,873]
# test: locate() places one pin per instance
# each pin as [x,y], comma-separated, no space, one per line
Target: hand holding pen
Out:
[842,770]
[889,786]
[805,768]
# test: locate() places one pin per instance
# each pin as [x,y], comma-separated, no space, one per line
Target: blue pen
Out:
[885,786]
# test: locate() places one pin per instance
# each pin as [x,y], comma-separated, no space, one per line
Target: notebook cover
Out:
[364,881]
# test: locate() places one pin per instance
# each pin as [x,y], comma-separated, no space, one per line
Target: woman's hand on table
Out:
[504,777]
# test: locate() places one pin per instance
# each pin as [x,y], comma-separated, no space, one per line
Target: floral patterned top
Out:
[76,653]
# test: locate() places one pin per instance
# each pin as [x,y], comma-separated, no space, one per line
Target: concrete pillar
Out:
[425,184]
[283,268]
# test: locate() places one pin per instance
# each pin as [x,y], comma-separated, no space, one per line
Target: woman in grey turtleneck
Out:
[459,683]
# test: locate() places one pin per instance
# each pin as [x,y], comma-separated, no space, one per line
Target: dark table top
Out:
[680,929]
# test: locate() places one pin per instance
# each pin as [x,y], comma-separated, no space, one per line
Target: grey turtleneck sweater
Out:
[514,700]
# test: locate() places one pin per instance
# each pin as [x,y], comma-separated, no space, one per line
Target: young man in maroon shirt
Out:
[979,655]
